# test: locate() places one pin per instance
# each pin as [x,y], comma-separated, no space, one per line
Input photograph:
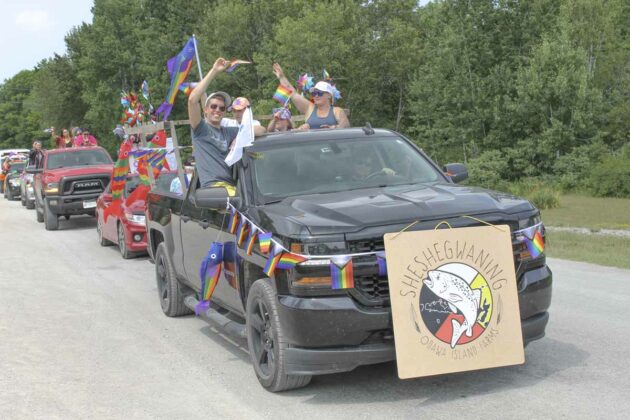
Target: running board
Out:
[217,319]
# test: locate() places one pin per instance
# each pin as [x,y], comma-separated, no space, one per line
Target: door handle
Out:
[204,224]
[184,219]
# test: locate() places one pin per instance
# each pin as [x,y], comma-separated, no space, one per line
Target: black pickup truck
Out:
[323,192]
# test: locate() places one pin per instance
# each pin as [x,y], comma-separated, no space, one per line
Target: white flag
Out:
[244,138]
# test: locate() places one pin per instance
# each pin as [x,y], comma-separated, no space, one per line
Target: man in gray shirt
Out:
[211,142]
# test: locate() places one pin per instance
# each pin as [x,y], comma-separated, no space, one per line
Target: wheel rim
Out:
[121,240]
[263,343]
[160,270]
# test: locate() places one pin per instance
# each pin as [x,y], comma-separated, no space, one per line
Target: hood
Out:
[351,211]
[56,174]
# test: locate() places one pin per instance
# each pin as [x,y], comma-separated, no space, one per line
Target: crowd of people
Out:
[213,133]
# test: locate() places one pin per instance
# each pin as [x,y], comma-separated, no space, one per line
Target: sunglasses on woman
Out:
[317,93]
[215,106]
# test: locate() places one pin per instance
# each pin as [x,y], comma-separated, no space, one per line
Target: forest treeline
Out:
[536,89]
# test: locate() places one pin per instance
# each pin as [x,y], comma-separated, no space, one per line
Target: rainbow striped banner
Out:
[235,63]
[209,272]
[251,240]
[282,95]
[233,224]
[187,87]
[382,263]
[241,232]
[289,260]
[535,246]
[264,241]
[341,272]
[272,261]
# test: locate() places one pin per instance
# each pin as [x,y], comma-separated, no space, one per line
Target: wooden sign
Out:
[454,300]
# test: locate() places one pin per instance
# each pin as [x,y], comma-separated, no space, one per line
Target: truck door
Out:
[199,228]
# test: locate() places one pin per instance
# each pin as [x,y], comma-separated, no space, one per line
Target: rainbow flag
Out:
[178,67]
[272,261]
[382,263]
[233,224]
[209,272]
[536,245]
[282,95]
[187,87]
[341,272]
[234,64]
[264,241]
[251,240]
[289,260]
[241,232]
[156,159]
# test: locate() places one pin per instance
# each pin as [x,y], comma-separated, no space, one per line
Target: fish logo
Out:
[465,300]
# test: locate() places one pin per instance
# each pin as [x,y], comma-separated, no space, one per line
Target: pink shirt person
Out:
[85,139]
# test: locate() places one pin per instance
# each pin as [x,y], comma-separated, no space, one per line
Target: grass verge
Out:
[603,250]
[589,212]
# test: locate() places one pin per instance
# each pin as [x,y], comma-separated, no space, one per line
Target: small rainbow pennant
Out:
[282,95]
[264,241]
[535,246]
[234,216]
[341,272]
[289,260]
[382,263]
[251,240]
[272,261]
[241,232]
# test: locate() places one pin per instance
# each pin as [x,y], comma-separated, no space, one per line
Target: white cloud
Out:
[33,20]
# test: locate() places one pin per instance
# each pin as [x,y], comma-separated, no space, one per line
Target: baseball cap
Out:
[323,86]
[284,113]
[239,103]
[225,96]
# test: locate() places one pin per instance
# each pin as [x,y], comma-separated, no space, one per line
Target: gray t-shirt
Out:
[211,147]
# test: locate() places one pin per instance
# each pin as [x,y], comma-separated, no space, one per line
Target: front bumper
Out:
[72,204]
[336,334]
[133,230]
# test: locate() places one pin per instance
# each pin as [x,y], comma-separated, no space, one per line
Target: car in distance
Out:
[68,183]
[12,179]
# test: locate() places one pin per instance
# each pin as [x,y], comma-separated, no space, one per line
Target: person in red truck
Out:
[85,139]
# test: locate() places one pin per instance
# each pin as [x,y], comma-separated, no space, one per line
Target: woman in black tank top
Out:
[321,113]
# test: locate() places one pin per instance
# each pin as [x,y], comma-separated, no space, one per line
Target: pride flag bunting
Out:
[251,240]
[289,260]
[341,272]
[272,261]
[241,232]
[233,224]
[209,272]
[382,263]
[282,95]
[264,241]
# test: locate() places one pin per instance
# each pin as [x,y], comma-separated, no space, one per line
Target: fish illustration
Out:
[459,296]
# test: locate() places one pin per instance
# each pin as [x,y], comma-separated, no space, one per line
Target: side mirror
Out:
[34,170]
[212,198]
[456,171]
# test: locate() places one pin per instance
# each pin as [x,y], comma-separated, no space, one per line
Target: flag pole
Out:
[197,57]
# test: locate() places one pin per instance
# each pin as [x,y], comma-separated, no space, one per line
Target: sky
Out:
[32,30]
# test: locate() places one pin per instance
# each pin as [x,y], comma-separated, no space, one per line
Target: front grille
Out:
[87,185]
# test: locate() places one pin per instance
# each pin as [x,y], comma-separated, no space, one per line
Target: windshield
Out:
[340,165]
[17,167]
[77,158]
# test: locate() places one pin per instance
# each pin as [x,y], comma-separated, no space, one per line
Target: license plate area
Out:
[89,204]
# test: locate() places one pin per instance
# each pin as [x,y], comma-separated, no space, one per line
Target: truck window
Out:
[77,158]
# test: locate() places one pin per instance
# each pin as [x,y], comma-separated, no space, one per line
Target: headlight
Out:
[135,218]
[530,239]
[51,188]
[531,221]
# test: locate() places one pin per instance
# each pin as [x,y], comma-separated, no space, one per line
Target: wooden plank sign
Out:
[454,300]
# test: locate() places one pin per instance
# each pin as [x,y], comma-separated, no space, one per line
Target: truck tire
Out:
[265,340]
[23,197]
[51,220]
[9,194]
[171,297]
[101,239]
[39,212]
[122,244]
[30,205]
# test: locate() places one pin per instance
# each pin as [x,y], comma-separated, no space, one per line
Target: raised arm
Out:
[195,110]
[302,104]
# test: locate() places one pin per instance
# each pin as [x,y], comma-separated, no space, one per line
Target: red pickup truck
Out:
[68,182]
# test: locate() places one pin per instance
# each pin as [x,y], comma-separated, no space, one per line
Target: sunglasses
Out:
[317,93]
[215,106]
